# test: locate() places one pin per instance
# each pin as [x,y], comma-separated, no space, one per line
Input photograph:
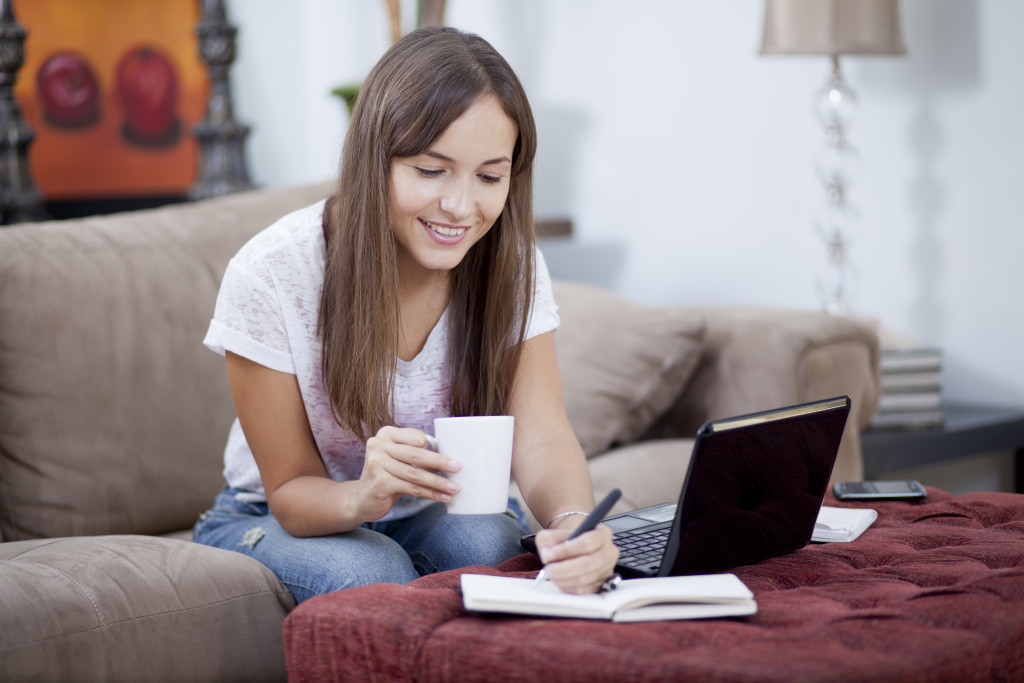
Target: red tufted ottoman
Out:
[933,591]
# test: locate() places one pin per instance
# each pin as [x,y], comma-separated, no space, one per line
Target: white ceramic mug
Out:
[483,445]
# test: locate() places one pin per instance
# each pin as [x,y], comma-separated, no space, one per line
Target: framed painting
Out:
[112,89]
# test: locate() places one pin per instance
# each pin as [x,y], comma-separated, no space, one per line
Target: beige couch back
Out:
[113,415]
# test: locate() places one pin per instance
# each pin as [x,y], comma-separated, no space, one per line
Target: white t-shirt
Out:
[267,312]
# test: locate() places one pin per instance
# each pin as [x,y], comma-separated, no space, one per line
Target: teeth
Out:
[442,230]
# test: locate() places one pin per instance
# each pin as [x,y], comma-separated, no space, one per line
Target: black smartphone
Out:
[878,490]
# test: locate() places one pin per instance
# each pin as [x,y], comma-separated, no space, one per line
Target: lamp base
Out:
[835,105]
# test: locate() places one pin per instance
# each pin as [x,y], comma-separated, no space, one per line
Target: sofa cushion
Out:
[622,364]
[629,468]
[126,608]
[114,414]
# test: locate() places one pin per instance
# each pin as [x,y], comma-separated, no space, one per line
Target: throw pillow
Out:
[623,364]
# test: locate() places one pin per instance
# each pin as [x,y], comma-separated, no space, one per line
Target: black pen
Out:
[592,520]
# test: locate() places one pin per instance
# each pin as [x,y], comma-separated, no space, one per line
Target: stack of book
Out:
[911,388]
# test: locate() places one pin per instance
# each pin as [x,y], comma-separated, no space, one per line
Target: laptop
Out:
[753,490]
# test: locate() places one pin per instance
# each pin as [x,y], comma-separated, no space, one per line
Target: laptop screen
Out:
[754,487]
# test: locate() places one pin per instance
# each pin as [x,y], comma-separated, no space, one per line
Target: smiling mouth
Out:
[443,229]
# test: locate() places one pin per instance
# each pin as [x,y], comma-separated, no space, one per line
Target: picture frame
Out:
[112,90]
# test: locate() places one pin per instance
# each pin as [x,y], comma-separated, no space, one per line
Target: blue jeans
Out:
[378,552]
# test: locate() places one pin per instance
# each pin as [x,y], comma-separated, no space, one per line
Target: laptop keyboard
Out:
[643,549]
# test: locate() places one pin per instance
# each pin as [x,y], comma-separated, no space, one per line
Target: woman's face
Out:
[445,200]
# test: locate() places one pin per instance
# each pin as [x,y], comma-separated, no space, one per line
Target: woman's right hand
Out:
[398,462]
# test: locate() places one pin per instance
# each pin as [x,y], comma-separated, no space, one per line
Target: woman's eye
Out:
[428,172]
[491,179]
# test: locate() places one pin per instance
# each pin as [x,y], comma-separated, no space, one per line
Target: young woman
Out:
[415,292]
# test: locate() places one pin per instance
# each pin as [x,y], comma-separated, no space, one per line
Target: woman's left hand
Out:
[582,564]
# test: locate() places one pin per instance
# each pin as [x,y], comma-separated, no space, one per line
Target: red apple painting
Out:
[68,91]
[112,90]
[147,86]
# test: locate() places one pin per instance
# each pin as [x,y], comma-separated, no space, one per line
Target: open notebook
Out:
[676,597]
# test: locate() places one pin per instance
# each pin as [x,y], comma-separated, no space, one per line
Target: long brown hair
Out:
[418,88]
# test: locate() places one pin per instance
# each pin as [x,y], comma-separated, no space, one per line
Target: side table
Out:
[968,430]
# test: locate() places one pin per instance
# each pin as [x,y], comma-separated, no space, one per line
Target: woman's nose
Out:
[457,200]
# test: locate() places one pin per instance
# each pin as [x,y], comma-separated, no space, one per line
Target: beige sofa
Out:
[113,417]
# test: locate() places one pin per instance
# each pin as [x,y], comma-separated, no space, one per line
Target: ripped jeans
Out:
[395,551]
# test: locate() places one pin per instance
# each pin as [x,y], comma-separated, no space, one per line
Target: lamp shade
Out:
[832,27]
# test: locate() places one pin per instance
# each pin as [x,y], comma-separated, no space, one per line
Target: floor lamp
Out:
[833,28]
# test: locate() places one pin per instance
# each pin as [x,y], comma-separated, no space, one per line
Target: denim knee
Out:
[307,566]
[437,541]
[231,506]
[323,564]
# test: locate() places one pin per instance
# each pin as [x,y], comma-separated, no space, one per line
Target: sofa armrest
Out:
[758,359]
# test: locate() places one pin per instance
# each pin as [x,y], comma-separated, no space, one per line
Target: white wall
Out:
[685,159]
